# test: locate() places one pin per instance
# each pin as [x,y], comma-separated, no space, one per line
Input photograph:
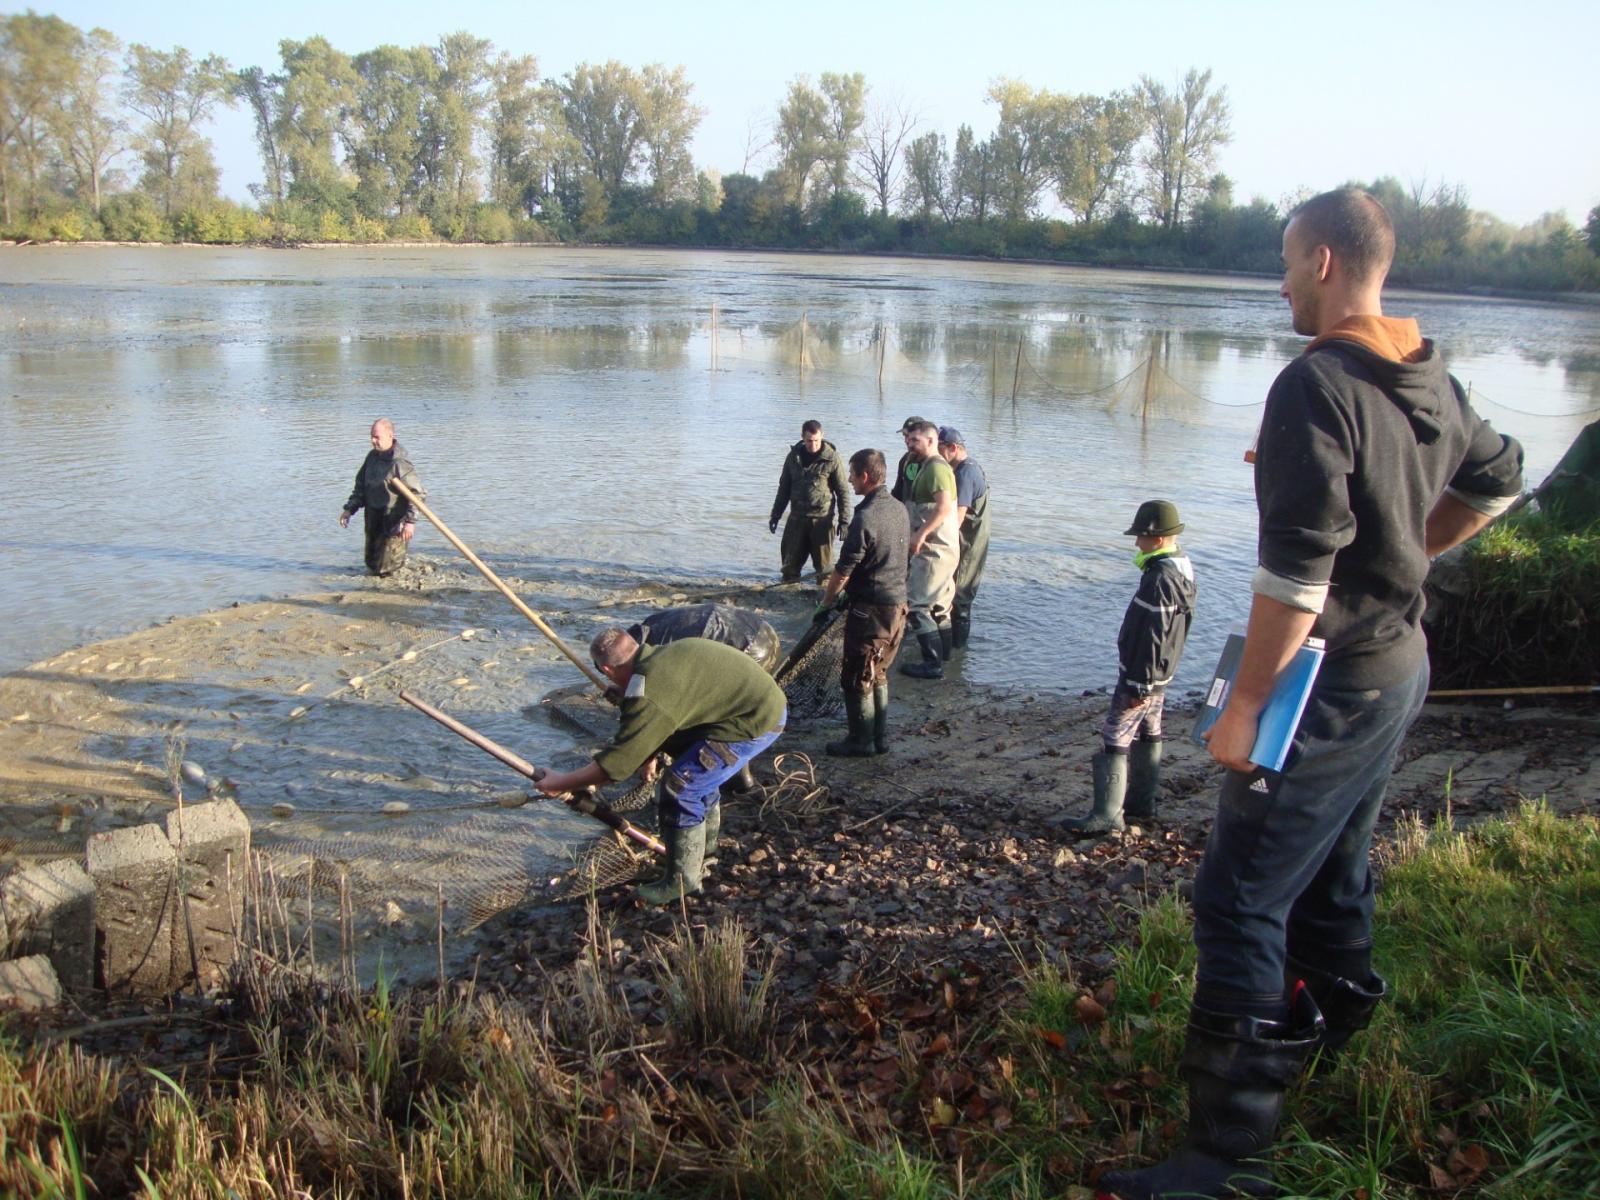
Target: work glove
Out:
[844,528]
[772,525]
[822,610]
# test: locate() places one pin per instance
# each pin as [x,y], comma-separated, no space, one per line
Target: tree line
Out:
[461,142]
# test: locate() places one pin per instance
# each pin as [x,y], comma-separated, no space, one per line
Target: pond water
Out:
[179,426]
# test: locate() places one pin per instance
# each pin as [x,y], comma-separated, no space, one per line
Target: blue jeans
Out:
[1286,868]
[692,785]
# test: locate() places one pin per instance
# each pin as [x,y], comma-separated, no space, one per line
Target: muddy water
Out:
[179,426]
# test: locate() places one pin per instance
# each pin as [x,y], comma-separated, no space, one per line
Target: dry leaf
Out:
[1106,993]
[939,1045]
[1090,1011]
[941,1112]
[1056,1040]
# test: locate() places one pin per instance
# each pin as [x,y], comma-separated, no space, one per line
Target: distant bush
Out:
[132,217]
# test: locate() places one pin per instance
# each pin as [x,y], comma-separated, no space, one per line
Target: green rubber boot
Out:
[932,664]
[686,853]
[1144,780]
[961,627]
[1110,790]
[947,642]
[713,833]
[859,711]
[880,719]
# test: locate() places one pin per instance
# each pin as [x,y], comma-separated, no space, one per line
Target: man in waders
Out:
[389,523]
[1369,462]
[872,575]
[812,487]
[972,520]
[709,706]
[1127,771]
[905,471]
[935,542]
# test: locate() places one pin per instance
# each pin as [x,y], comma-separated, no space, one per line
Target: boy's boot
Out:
[1144,780]
[1347,1006]
[1110,790]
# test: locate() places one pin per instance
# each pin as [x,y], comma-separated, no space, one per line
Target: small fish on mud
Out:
[192,771]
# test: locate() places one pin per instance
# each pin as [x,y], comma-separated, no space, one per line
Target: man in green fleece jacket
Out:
[812,486]
[711,708]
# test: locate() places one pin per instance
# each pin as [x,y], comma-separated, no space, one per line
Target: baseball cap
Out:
[949,435]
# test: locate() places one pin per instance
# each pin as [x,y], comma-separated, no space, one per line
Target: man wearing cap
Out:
[972,519]
[709,706]
[1369,461]
[905,472]
[390,522]
[935,545]
[812,487]
[1127,771]
[872,575]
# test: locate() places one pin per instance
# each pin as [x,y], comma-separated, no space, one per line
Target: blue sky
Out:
[1500,98]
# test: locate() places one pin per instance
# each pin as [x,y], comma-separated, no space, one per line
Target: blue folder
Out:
[1280,716]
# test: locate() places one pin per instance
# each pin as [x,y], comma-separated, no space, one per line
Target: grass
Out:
[1519,615]
[1482,1077]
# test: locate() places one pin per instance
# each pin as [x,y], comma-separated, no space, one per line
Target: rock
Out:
[757,857]
[29,984]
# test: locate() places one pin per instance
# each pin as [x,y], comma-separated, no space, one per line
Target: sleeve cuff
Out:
[1307,597]
[1489,506]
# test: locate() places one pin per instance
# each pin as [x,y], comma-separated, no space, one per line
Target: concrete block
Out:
[29,984]
[135,896]
[212,842]
[49,910]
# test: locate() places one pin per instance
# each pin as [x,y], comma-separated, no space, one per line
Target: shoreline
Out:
[1475,292]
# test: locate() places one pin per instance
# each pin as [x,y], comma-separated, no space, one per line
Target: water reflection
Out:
[179,428]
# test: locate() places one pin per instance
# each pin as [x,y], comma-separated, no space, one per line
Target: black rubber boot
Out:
[858,710]
[932,664]
[686,852]
[1237,1069]
[961,627]
[1144,780]
[880,719]
[1347,1006]
[947,642]
[743,784]
[1110,788]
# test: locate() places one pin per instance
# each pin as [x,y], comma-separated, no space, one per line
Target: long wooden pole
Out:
[1016,371]
[584,802]
[538,622]
[1563,689]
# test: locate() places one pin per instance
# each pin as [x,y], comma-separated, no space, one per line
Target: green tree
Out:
[37,57]
[386,128]
[1096,152]
[846,111]
[816,134]
[87,129]
[1591,229]
[450,114]
[928,189]
[972,177]
[174,94]
[263,94]
[602,108]
[1187,126]
[670,119]
[1023,148]
[315,101]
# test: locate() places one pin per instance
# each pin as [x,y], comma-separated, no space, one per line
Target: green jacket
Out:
[814,486]
[688,690]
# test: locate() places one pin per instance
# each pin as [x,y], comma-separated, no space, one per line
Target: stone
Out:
[212,843]
[49,910]
[29,984]
[135,897]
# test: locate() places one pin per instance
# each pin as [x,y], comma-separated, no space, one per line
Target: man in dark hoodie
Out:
[1369,462]
[814,490]
[390,523]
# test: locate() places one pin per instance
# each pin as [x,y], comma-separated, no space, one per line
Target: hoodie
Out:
[1362,435]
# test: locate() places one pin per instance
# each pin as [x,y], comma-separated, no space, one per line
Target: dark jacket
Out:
[1157,624]
[876,550]
[813,485]
[1355,450]
[372,485]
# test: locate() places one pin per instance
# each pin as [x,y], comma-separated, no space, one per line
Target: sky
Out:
[1499,98]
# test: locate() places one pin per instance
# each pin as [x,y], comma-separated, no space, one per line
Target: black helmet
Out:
[1155,518]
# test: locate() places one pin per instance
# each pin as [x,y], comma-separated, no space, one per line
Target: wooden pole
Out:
[538,622]
[1149,382]
[1016,371]
[713,333]
[1565,689]
[994,369]
[803,341]
[586,802]
[883,344]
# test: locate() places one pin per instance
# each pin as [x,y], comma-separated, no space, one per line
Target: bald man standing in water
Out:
[389,521]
